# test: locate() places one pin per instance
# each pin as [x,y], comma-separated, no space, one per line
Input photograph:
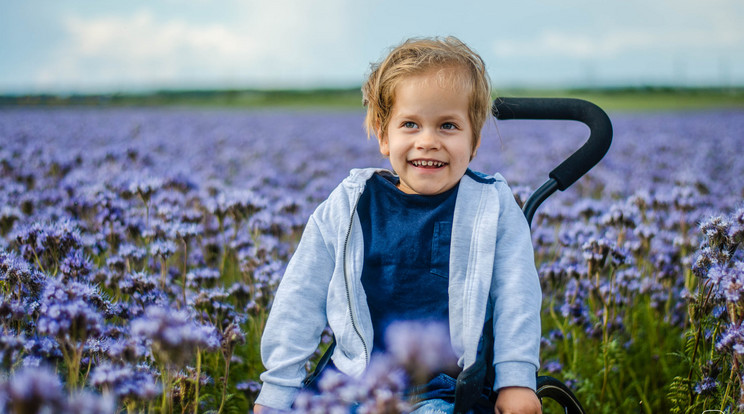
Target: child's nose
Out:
[427,140]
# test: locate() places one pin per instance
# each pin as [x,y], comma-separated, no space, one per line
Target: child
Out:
[430,240]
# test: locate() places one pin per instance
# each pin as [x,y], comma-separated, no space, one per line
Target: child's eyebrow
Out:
[452,117]
[446,116]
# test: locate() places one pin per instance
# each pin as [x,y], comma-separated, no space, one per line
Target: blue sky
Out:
[106,46]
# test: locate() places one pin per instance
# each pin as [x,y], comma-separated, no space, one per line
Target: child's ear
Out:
[382,141]
[384,146]
[475,148]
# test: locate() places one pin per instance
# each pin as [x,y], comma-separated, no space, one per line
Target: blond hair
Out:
[417,56]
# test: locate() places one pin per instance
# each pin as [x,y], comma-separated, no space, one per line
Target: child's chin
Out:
[425,190]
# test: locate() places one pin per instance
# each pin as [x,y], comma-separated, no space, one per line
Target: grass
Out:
[647,99]
[611,99]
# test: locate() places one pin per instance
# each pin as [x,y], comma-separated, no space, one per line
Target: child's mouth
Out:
[427,163]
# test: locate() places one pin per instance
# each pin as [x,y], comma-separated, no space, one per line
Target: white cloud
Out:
[613,44]
[265,41]
[638,26]
[141,37]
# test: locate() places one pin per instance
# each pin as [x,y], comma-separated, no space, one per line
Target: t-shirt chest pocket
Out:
[440,248]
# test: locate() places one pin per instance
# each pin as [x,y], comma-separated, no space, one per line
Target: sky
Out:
[106,46]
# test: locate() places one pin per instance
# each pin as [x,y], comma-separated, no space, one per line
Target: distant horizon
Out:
[349,89]
[91,47]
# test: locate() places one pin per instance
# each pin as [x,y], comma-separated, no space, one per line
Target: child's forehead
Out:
[450,77]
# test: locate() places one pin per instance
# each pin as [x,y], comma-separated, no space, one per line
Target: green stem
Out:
[224,383]
[644,399]
[606,305]
[38,262]
[87,370]
[728,388]
[698,335]
[224,244]
[72,355]
[605,358]
[198,377]
[164,404]
[163,273]
[185,266]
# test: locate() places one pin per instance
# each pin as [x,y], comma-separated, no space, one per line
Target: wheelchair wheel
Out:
[549,387]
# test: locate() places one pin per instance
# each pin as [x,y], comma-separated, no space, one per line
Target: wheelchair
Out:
[479,376]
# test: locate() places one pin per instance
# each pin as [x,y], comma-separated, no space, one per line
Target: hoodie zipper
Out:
[354,323]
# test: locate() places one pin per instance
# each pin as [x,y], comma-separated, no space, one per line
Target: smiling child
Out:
[430,240]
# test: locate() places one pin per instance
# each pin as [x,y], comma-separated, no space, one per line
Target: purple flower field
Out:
[140,249]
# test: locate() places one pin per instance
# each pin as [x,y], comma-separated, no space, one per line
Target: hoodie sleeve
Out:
[517,298]
[296,320]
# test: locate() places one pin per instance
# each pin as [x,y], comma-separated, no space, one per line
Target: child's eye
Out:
[409,124]
[449,125]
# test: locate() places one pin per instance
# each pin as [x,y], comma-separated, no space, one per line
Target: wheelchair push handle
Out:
[572,109]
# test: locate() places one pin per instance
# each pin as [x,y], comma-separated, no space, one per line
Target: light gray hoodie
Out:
[491,272]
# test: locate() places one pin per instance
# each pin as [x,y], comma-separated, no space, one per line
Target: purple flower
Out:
[202,277]
[130,349]
[553,367]
[685,198]
[252,387]
[116,263]
[145,187]
[76,265]
[56,239]
[574,307]
[85,402]
[17,272]
[238,203]
[139,282]
[715,229]
[732,283]
[270,223]
[126,382]
[174,334]
[8,216]
[111,209]
[232,336]
[378,390]
[213,302]
[552,273]
[732,340]
[619,256]
[184,231]
[10,347]
[71,310]
[717,275]
[241,292]
[707,386]
[42,347]
[269,274]
[596,251]
[422,348]
[132,252]
[736,230]
[703,262]
[163,248]
[32,390]
[620,216]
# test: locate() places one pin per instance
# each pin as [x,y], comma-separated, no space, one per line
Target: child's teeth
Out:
[428,163]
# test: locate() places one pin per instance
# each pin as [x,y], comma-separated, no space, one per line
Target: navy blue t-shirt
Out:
[406,253]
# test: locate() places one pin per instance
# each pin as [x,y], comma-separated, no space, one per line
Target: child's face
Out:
[429,138]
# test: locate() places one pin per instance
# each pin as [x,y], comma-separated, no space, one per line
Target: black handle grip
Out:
[586,157]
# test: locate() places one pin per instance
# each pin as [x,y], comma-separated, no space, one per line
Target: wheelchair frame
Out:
[471,381]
